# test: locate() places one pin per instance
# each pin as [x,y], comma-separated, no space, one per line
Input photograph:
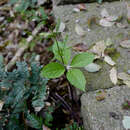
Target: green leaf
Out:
[61,51]
[83,59]
[53,70]
[43,14]
[76,78]
[35,121]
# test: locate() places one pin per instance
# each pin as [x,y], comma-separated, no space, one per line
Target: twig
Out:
[22,49]
[63,101]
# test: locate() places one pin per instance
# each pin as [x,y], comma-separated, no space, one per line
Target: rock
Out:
[99,79]
[108,113]
[62,2]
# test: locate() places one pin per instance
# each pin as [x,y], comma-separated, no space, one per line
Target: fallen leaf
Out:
[92,67]
[125,44]
[105,23]
[113,75]
[126,122]
[108,60]
[112,18]
[101,96]
[80,47]
[76,10]
[81,7]
[61,27]
[1,105]
[92,21]
[99,48]
[79,30]
[104,13]
[120,25]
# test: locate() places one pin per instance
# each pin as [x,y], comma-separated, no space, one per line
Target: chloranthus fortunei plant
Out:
[62,53]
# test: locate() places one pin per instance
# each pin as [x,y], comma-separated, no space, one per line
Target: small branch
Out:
[21,50]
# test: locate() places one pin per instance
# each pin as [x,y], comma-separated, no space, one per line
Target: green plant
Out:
[23,5]
[22,90]
[74,126]
[63,54]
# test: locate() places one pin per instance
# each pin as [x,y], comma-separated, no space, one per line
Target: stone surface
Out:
[62,2]
[122,58]
[106,114]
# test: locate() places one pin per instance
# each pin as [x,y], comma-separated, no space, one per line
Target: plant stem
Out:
[59,50]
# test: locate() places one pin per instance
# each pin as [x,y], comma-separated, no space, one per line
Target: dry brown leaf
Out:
[108,60]
[80,47]
[101,96]
[1,105]
[113,75]
[79,30]
[125,44]
[81,7]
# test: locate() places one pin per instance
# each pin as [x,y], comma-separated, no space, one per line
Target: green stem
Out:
[59,50]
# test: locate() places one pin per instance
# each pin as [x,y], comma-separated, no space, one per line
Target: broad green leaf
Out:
[76,78]
[82,59]
[62,51]
[53,70]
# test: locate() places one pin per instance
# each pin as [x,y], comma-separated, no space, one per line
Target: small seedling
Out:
[62,53]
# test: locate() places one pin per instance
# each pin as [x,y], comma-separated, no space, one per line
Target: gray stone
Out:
[62,2]
[122,58]
[106,114]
